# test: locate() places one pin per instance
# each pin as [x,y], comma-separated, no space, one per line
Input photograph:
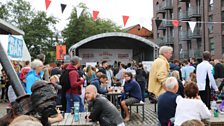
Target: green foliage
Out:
[3,11]
[84,26]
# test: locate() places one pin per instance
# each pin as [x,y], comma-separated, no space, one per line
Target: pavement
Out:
[135,120]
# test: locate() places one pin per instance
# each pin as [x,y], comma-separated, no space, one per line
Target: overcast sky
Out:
[140,11]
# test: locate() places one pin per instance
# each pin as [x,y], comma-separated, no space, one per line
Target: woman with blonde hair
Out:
[180,91]
[91,75]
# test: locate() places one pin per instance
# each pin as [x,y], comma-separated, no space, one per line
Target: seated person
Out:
[97,82]
[134,92]
[102,109]
[25,120]
[167,101]
[193,122]
[190,107]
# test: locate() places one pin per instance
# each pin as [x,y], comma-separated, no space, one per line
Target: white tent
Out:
[15,47]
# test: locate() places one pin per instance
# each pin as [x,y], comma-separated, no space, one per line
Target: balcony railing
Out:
[168,40]
[162,26]
[194,12]
[167,4]
[159,9]
[183,16]
[195,53]
[185,35]
[165,40]
[184,0]
[196,33]
[168,23]
[184,55]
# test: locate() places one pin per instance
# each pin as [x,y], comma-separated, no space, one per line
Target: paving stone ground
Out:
[136,118]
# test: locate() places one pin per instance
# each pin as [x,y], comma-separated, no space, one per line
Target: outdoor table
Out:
[215,121]
[69,120]
[113,96]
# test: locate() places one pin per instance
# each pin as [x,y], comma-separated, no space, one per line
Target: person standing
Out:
[76,83]
[205,78]
[160,71]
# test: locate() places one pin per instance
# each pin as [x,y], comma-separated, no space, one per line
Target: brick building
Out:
[206,36]
[140,31]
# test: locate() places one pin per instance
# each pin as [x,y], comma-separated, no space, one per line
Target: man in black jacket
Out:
[102,109]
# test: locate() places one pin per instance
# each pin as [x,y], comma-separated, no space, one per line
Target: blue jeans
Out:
[70,99]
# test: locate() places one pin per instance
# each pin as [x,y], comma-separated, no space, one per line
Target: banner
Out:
[15,47]
[60,52]
[110,55]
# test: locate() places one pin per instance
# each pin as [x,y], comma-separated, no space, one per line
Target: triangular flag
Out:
[95,14]
[63,6]
[158,22]
[125,19]
[192,25]
[211,2]
[175,23]
[79,11]
[47,3]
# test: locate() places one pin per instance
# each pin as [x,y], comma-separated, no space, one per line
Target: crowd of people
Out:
[181,87]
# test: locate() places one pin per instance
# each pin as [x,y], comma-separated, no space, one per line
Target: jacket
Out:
[105,112]
[31,77]
[96,82]
[75,82]
[133,89]
[158,75]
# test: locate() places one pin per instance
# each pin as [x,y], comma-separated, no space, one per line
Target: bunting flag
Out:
[95,14]
[79,11]
[175,23]
[63,6]
[158,22]
[47,3]
[125,19]
[192,25]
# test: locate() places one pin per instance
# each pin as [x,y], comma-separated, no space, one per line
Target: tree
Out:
[84,26]
[3,11]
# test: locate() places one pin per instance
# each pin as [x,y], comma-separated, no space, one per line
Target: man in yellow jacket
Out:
[160,71]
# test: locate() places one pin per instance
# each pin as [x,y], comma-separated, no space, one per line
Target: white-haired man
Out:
[36,73]
[160,71]
[167,101]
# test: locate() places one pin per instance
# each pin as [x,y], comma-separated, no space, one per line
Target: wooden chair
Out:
[137,105]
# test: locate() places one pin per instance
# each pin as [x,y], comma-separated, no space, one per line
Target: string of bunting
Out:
[125,18]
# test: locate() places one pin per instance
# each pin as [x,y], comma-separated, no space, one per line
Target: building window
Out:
[222,44]
[222,3]
[222,20]
[210,24]
[210,6]
[212,46]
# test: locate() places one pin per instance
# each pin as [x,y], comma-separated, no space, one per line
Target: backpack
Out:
[64,80]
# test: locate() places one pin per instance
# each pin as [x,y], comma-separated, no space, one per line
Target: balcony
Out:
[195,53]
[196,34]
[162,26]
[184,0]
[167,5]
[184,55]
[194,12]
[168,40]
[183,16]
[159,9]
[165,40]
[185,35]
[168,24]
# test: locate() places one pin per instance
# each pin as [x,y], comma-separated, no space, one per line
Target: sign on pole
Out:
[60,52]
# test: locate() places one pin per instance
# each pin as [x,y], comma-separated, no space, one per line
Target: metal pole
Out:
[11,73]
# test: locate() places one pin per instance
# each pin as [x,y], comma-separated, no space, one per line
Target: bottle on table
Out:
[76,111]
